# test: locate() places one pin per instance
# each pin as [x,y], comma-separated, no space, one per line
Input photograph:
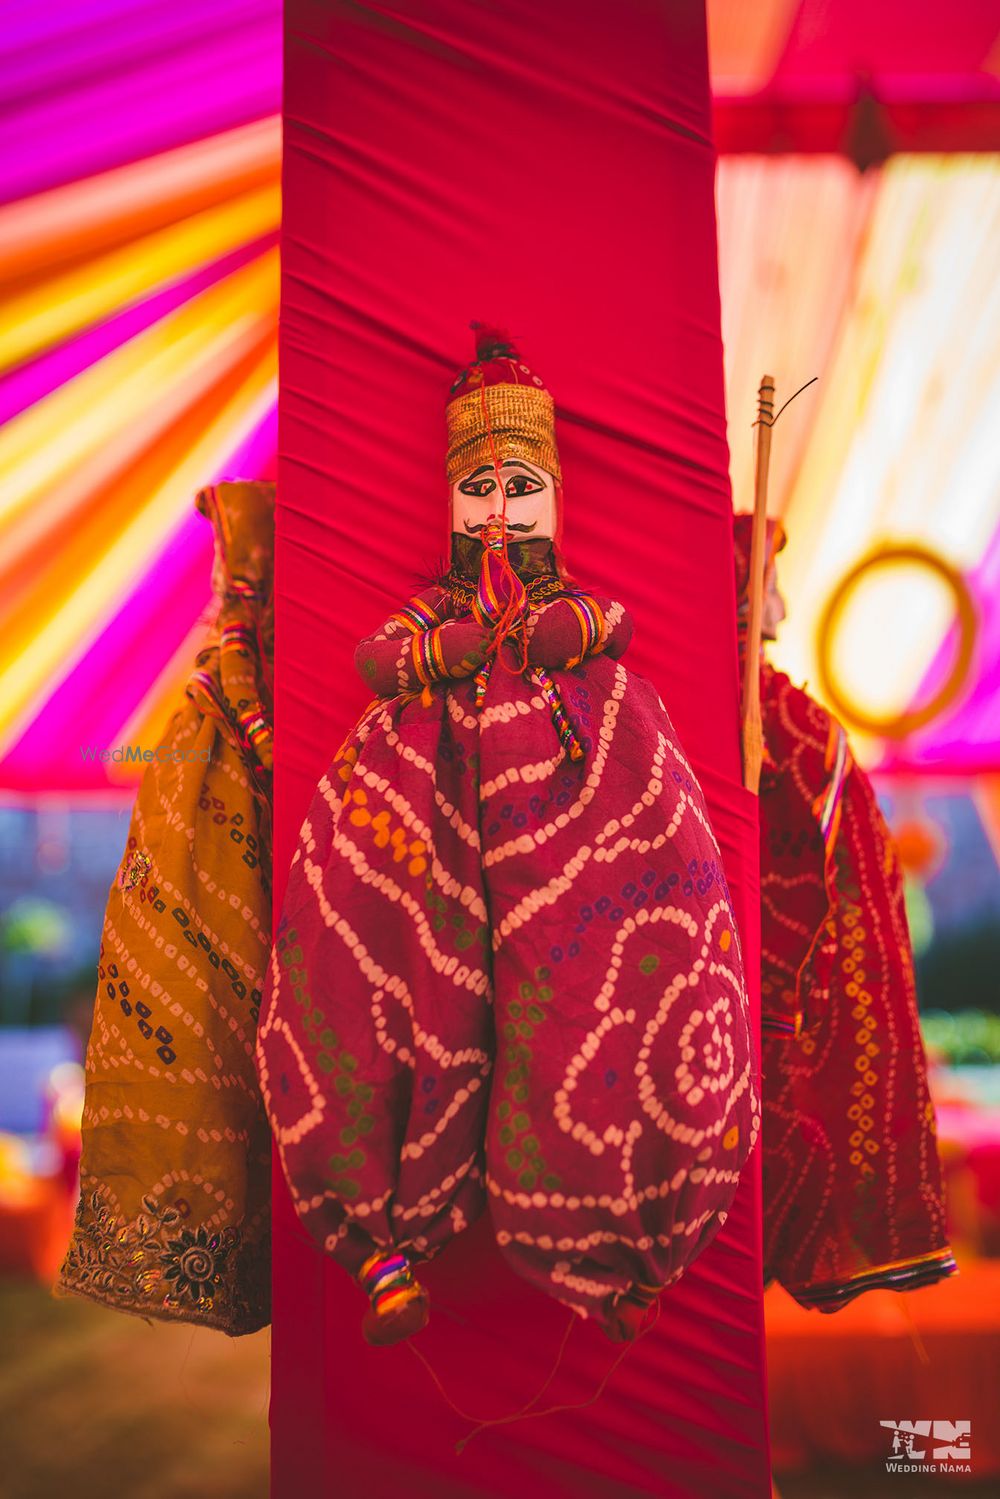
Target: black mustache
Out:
[511,526]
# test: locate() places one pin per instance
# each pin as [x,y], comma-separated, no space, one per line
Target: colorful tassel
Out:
[560,718]
[481,679]
[386,1278]
[783,1025]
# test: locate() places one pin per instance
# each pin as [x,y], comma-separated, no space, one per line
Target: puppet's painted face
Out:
[530,493]
[774,610]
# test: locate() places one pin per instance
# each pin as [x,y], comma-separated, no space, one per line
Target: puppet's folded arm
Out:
[565,631]
[419,645]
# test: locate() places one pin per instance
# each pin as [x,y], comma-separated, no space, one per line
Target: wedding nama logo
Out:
[930,1446]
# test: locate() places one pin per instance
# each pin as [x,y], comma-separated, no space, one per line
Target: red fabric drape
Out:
[549,168]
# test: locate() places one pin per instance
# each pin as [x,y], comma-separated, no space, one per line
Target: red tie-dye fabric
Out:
[506,977]
[852,1182]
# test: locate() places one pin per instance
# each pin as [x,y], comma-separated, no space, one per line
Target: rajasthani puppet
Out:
[852,1182]
[507,971]
[174,1213]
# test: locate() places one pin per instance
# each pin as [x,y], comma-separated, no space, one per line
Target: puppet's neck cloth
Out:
[530,559]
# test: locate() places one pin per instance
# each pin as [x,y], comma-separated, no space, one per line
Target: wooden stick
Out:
[752,729]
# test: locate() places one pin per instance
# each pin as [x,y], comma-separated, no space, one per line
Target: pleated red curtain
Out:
[549,168]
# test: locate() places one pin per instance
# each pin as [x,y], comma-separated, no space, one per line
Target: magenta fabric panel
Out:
[548,168]
[88,85]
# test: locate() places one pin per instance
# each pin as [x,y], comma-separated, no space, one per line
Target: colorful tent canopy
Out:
[138,265]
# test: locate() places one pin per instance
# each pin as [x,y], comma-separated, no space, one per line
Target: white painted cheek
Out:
[468,508]
[538,509]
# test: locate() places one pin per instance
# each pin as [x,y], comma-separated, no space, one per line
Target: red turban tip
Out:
[492,343]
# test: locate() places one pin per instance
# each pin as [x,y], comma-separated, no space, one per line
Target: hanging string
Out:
[479,1422]
[526,1413]
[919,1347]
[511,617]
[529,1415]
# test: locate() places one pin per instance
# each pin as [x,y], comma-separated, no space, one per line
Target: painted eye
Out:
[522,484]
[478,489]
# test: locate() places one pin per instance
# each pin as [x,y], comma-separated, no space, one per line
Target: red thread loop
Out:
[526,1413]
[511,620]
[478,1423]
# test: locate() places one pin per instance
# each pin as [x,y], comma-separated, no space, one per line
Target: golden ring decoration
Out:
[897,726]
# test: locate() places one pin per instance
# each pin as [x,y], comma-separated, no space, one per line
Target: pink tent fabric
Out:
[791,79]
[548,168]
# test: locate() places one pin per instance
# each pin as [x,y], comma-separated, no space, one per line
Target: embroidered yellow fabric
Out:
[174,1214]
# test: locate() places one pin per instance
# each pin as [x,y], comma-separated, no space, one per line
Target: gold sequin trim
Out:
[134,870]
[156,1265]
[522,419]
